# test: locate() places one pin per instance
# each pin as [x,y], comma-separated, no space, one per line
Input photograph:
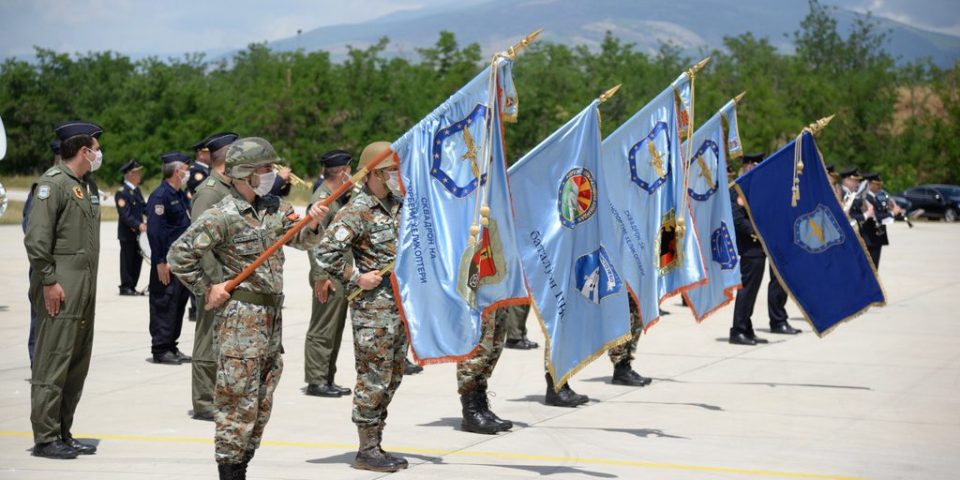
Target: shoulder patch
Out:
[121,203]
[158,209]
[341,234]
[198,176]
[43,192]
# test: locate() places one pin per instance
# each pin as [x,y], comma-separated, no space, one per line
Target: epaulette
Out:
[53,172]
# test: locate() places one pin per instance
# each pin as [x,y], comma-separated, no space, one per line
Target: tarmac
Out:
[877,398]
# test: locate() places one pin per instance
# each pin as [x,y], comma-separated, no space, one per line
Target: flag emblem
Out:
[481,264]
[577,199]
[650,159]
[817,231]
[668,256]
[722,249]
[465,141]
[703,171]
[596,278]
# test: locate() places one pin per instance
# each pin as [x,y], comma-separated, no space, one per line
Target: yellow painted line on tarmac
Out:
[548,459]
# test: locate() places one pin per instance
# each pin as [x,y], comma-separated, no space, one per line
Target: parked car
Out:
[937,201]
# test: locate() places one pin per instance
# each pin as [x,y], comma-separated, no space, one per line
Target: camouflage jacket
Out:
[321,193]
[367,228]
[237,233]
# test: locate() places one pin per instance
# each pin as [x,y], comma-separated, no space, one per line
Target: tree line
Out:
[902,120]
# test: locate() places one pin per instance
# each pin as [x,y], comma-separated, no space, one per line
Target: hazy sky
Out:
[173,27]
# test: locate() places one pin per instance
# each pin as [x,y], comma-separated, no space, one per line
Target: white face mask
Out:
[184,177]
[97,161]
[266,183]
[393,183]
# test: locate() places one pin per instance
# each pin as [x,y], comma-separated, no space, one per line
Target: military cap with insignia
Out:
[754,157]
[850,172]
[216,141]
[171,157]
[873,177]
[335,158]
[55,146]
[74,128]
[130,166]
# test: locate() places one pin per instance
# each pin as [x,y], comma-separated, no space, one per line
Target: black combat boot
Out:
[566,397]
[232,471]
[474,419]
[370,456]
[502,425]
[402,462]
[623,374]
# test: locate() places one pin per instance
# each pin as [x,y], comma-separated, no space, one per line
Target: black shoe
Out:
[55,449]
[81,448]
[623,374]
[325,390]
[167,358]
[566,397]
[502,424]
[784,329]
[520,344]
[232,471]
[129,292]
[411,368]
[474,419]
[757,339]
[206,415]
[183,357]
[741,339]
[342,390]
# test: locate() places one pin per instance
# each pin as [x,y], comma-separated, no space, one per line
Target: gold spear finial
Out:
[610,93]
[523,43]
[696,68]
[819,125]
[736,100]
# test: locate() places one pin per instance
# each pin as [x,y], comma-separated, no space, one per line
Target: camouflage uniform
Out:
[247,329]
[473,373]
[624,351]
[325,332]
[367,227]
[204,366]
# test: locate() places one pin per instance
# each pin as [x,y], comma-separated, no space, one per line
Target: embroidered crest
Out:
[577,199]
[121,203]
[43,192]
[595,276]
[704,180]
[650,159]
[455,154]
[78,192]
[158,209]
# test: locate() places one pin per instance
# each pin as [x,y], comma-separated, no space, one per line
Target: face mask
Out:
[266,183]
[184,177]
[393,183]
[97,161]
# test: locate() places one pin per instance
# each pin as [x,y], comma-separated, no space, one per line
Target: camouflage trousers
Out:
[380,348]
[472,374]
[248,369]
[624,351]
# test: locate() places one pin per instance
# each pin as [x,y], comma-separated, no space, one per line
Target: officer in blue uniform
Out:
[131,208]
[752,262]
[167,218]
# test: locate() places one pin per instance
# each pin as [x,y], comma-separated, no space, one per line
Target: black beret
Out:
[335,158]
[216,141]
[754,157]
[850,172]
[131,165]
[74,128]
[171,157]
[55,146]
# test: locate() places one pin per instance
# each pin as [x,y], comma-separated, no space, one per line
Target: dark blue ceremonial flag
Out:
[821,261]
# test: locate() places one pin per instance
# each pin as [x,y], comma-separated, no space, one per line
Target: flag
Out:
[567,243]
[812,248]
[452,166]
[644,178]
[713,143]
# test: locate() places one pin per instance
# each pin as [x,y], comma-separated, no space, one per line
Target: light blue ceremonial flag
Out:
[714,143]
[568,245]
[644,177]
[445,283]
[820,260]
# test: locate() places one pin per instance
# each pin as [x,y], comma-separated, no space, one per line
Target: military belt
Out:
[262,299]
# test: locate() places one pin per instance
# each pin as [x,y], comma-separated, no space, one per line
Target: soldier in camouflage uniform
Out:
[473,373]
[206,194]
[622,355]
[247,322]
[328,314]
[367,227]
